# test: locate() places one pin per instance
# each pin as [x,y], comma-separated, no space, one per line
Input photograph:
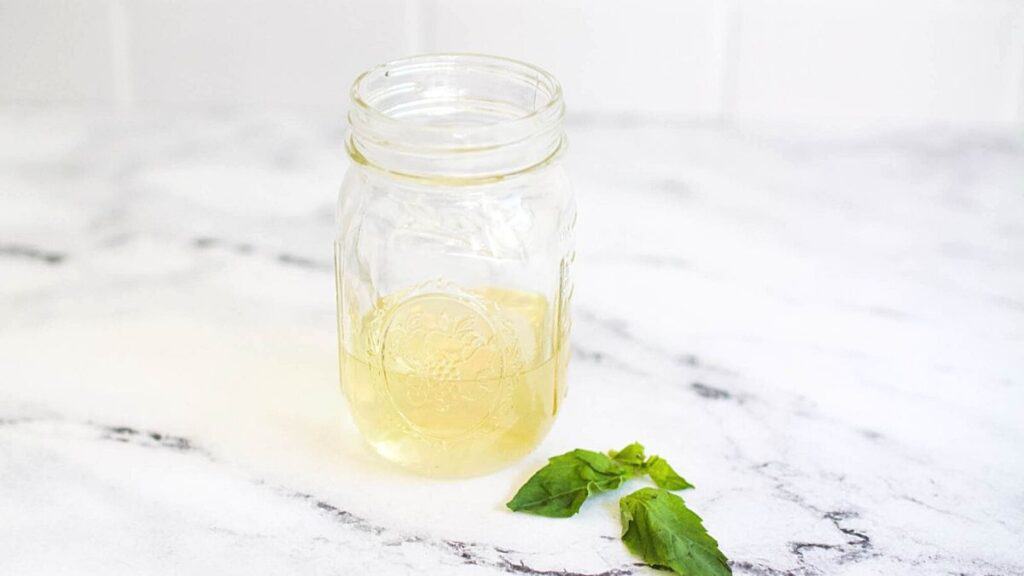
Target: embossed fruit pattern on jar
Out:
[453,261]
[453,377]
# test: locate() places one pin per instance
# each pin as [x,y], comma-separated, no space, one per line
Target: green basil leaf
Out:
[659,528]
[632,455]
[559,489]
[664,476]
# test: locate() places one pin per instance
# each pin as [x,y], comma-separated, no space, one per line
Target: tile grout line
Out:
[1018,39]
[1012,101]
[411,23]
[120,54]
[727,44]
[426,13]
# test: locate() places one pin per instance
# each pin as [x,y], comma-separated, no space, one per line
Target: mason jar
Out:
[453,261]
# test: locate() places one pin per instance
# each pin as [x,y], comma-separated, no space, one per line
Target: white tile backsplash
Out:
[617,56]
[804,61]
[55,51]
[877,61]
[263,53]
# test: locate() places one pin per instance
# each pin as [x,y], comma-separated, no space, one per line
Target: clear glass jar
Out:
[453,261]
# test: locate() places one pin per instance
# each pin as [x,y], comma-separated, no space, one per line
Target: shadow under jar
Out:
[453,261]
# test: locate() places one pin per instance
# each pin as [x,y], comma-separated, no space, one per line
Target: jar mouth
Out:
[469,114]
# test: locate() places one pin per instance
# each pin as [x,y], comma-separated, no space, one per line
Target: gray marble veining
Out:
[825,333]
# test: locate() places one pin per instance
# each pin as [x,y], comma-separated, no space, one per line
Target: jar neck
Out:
[456,117]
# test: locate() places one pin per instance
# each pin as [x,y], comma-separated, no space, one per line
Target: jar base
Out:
[453,465]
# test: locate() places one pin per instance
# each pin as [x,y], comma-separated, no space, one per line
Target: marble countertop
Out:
[823,332]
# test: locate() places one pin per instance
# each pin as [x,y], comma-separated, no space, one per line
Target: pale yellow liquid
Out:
[455,383]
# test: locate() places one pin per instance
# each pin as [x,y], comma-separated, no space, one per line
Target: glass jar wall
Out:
[453,260]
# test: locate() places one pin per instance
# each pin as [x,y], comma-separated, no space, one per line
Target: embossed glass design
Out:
[453,261]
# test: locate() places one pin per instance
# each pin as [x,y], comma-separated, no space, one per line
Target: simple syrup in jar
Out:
[453,262]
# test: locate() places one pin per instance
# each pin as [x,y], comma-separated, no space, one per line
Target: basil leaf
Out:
[662,531]
[664,476]
[632,455]
[559,489]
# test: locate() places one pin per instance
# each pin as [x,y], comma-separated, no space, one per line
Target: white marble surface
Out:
[825,333]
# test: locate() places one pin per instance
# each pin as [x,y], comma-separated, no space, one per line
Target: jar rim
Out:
[450,60]
[457,117]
